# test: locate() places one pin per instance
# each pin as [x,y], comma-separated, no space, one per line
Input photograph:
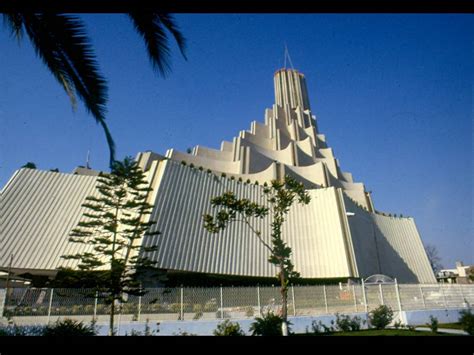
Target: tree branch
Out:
[257,233]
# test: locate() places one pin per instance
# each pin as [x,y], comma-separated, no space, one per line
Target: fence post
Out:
[3,297]
[464,301]
[355,298]
[397,292]
[181,312]
[95,304]
[222,305]
[119,319]
[293,296]
[422,297]
[258,301]
[325,299]
[50,304]
[441,288]
[381,294]
[364,296]
[139,307]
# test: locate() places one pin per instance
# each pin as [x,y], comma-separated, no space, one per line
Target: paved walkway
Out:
[443,330]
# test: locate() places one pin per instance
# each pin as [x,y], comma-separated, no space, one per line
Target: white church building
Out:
[338,235]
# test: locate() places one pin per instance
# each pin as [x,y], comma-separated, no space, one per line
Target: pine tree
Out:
[280,196]
[115,222]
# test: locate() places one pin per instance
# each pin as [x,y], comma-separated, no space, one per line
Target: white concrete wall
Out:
[422,317]
[299,325]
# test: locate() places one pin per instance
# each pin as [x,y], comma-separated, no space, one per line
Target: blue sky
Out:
[392,93]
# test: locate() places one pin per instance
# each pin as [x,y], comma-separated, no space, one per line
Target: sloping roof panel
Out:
[38,210]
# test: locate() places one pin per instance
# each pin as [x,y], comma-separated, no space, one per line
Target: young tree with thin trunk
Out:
[115,222]
[433,257]
[280,196]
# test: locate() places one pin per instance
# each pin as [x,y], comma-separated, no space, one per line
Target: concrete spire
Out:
[286,143]
[290,89]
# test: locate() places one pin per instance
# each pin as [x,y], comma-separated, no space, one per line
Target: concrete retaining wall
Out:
[423,316]
[299,324]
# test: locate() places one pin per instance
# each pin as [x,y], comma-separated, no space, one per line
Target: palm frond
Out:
[171,26]
[152,28]
[14,22]
[60,41]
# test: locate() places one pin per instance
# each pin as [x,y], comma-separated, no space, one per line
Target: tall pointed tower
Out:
[288,143]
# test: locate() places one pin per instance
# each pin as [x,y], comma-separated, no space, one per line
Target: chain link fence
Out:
[161,304]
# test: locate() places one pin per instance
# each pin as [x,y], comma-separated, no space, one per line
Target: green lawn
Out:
[384,332]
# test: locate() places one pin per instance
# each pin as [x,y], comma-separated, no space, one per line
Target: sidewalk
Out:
[443,330]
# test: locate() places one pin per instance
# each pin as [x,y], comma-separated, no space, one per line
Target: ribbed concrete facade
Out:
[388,245]
[315,232]
[40,208]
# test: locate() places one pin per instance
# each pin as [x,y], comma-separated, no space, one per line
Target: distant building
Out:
[338,235]
[462,274]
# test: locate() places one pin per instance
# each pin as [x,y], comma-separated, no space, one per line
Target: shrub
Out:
[183,162]
[467,321]
[22,330]
[398,324]
[381,317]
[146,332]
[223,174]
[249,311]
[134,333]
[228,328]
[197,309]
[184,334]
[88,309]
[210,306]
[222,314]
[201,168]
[175,307]
[248,181]
[268,325]
[319,328]
[191,166]
[347,324]
[69,327]
[129,308]
[433,324]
